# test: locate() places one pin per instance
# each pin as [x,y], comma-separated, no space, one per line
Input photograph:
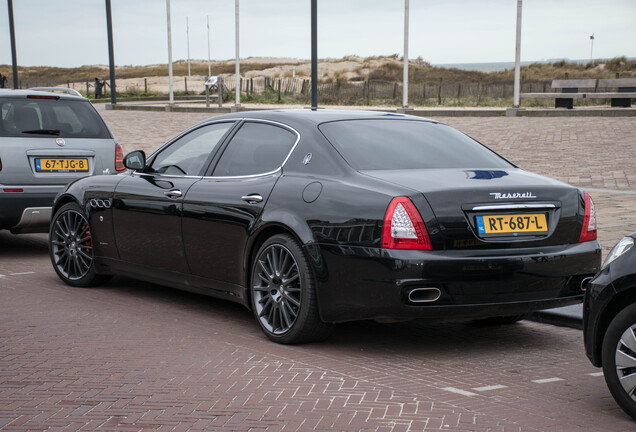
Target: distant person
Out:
[99,85]
[3,81]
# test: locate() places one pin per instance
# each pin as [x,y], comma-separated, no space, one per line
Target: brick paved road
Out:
[134,356]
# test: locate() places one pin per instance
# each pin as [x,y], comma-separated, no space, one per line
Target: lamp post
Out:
[238,67]
[314,55]
[14,58]
[405,72]
[209,64]
[111,55]
[592,48]
[188,42]
[169,53]
[517,85]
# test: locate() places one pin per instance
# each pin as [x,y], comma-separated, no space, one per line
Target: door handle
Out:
[174,193]
[252,198]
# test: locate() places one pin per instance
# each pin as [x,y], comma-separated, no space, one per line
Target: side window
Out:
[188,154]
[255,149]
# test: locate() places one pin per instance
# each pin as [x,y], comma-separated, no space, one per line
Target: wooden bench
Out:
[569,92]
[623,97]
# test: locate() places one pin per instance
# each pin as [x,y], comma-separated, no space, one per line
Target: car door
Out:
[221,210]
[147,205]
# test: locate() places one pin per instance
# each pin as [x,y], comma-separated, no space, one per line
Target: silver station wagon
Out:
[48,138]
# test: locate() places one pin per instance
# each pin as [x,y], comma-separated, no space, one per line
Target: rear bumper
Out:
[27,211]
[355,283]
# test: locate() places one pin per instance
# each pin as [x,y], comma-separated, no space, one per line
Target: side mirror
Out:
[135,160]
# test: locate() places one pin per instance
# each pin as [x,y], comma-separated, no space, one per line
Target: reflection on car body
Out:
[380,222]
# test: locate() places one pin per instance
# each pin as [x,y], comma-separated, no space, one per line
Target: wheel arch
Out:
[63,200]
[257,240]
[613,308]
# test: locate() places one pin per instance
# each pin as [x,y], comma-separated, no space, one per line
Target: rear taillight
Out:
[119,158]
[403,227]
[588,233]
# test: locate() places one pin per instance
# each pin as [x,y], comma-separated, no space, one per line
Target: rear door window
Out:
[64,118]
[257,148]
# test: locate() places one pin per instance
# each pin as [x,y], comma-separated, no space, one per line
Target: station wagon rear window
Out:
[407,144]
[64,118]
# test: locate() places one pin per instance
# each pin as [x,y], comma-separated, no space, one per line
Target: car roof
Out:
[30,92]
[317,116]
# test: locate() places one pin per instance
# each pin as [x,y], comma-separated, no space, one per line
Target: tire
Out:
[283,293]
[71,249]
[500,320]
[619,346]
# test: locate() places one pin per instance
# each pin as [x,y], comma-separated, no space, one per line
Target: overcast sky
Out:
[73,32]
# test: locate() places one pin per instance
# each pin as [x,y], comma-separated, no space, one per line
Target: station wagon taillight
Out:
[588,233]
[403,227]
[119,158]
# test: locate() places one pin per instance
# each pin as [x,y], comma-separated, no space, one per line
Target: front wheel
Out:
[71,247]
[283,293]
[619,359]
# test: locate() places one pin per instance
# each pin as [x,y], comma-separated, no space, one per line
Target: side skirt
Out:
[181,281]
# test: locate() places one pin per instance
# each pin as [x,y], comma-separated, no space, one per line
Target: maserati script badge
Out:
[509,195]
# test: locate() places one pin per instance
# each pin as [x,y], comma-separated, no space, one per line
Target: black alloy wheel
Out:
[283,293]
[71,247]
[619,359]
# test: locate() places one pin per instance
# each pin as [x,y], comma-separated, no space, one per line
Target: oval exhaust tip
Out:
[585,282]
[424,295]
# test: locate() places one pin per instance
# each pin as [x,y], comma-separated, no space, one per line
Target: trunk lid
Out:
[493,208]
[42,161]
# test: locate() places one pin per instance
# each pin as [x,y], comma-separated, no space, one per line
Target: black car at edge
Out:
[609,322]
[311,218]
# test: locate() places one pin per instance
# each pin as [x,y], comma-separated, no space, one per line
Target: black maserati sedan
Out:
[609,322]
[314,217]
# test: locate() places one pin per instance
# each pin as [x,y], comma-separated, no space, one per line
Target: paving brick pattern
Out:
[132,356]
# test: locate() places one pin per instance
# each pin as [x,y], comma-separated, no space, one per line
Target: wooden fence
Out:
[348,92]
[361,92]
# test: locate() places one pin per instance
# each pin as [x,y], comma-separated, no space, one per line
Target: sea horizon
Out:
[500,66]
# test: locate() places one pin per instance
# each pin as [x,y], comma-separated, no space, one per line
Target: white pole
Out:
[209,64]
[517,87]
[592,48]
[238,67]
[188,39]
[169,52]
[405,77]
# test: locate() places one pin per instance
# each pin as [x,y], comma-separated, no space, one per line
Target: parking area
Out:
[132,356]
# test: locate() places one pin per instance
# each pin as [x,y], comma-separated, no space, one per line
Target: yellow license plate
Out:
[512,223]
[61,164]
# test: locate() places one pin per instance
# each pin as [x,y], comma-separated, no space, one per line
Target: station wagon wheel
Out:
[71,247]
[619,359]
[283,293]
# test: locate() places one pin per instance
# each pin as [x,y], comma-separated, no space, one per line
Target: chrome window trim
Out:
[513,207]
[233,120]
[280,168]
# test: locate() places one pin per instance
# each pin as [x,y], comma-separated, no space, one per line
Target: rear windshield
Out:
[407,144]
[65,118]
